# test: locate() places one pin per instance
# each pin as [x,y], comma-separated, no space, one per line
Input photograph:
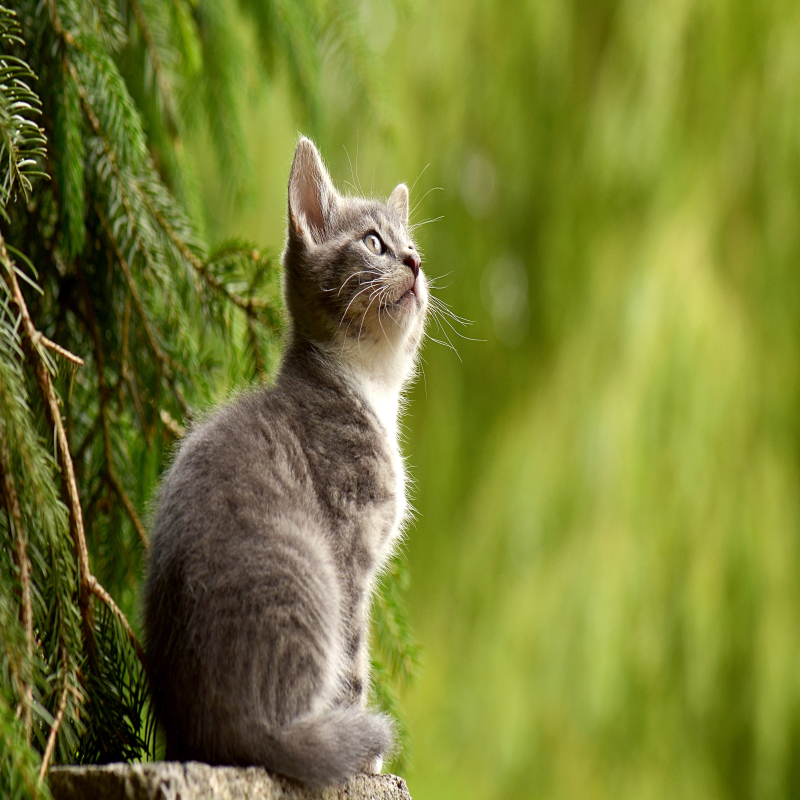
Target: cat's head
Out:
[353,281]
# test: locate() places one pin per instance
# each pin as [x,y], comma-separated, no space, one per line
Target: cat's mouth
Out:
[410,295]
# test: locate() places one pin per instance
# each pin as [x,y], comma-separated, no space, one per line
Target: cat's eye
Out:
[373,243]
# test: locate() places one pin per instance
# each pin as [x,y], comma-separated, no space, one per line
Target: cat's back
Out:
[231,465]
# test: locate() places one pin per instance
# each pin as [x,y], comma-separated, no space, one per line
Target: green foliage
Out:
[118,325]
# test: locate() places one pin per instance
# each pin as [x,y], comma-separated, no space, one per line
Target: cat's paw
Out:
[374,766]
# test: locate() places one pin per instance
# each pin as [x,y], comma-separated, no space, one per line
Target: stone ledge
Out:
[195,781]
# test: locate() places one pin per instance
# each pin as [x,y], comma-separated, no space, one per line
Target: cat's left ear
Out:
[398,202]
[313,200]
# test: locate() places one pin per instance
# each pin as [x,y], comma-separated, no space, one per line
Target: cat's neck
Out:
[378,372]
[382,397]
[376,376]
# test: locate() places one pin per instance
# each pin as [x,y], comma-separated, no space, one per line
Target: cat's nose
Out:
[412,261]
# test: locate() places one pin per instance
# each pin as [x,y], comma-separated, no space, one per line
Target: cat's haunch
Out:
[280,509]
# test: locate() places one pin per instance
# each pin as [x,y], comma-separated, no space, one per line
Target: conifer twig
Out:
[175,428]
[57,348]
[165,363]
[250,305]
[105,393]
[98,591]
[130,510]
[24,565]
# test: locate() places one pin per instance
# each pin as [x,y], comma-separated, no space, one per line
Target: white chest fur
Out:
[385,403]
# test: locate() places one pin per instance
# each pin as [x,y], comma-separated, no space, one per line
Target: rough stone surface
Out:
[195,781]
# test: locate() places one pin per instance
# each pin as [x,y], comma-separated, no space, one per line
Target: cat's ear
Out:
[398,202]
[312,196]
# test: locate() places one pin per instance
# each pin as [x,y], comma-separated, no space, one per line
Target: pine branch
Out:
[165,363]
[88,583]
[54,413]
[105,394]
[98,591]
[250,305]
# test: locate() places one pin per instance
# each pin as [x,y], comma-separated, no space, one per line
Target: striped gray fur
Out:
[280,509]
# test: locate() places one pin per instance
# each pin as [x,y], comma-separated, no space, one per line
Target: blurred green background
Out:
[604,565]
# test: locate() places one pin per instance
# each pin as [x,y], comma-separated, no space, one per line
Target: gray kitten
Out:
[279,511]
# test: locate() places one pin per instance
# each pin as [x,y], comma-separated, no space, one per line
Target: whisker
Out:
[445,309]
[441,315]
[439,341]
[433,285]
[378,292]
[361,327]
[386,292]
[424,378]
[451,316]
[357,178]
[419,202]
[433,278]
[352,174]
[357,294]
[418,177]
[360,272]
[444,332]
[425,222]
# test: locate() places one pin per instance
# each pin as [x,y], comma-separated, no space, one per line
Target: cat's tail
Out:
[328,748]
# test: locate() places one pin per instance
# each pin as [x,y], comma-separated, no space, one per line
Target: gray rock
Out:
[195,781]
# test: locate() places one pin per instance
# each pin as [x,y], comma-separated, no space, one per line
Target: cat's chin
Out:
[410,302]
[407,311]
[387,331]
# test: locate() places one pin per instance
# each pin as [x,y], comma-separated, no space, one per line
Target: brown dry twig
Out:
[57,348]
